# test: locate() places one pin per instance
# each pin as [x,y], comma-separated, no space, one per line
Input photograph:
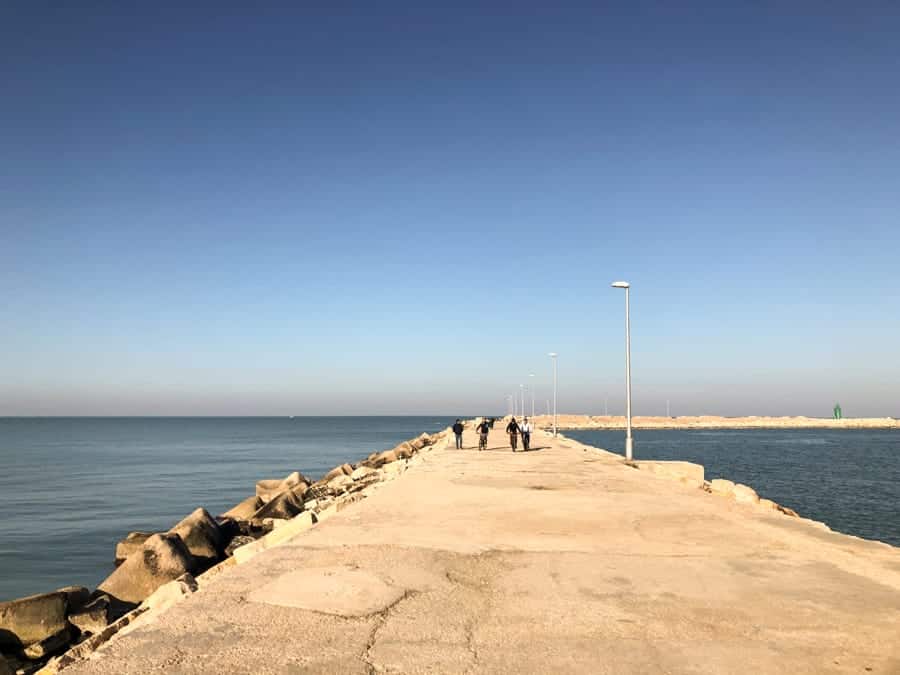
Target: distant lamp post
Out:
[553,356]
[531,384]
[522,395]
[629,441]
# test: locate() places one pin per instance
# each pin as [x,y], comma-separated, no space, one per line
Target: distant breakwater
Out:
[714,422]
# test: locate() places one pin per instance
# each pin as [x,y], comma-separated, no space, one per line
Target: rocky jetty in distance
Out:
[43,633]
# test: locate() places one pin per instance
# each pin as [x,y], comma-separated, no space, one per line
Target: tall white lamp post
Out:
[531,384]
[629,441]
[522,395]
[553,356]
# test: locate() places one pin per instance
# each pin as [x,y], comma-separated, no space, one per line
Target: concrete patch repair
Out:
[341,591]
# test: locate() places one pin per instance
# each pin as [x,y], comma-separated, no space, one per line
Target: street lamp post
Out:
[553,356]
[531,375]
[522,395]
[629,441]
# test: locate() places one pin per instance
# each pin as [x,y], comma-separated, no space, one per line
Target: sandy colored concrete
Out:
[558,560]
[714,422]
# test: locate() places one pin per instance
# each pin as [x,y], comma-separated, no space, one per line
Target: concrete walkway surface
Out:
[558,560]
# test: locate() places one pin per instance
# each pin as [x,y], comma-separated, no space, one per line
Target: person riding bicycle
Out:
[513,430]
[482,430]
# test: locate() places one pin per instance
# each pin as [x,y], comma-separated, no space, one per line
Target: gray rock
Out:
[362,473]
[168,594]
[340,483]
[245,509]
[164,557]
[286,505]
[76,597]
[133,542]
[268,489]
[331,475]
[32,619]
[200,533]
[385,457]
[300,490]
[49,646]
[93,617]
[237,542]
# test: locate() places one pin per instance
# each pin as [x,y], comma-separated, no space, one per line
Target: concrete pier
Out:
[558,560]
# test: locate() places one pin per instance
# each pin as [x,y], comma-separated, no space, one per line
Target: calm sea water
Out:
[849,479]
[70,488]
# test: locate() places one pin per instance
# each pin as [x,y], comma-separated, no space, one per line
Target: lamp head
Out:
[552,355]
[620,284]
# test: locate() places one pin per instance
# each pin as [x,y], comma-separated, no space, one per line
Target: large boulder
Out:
[268,489]
[363,473]
[340,483]
[721,486]
[93,617]
[168,594]
[744,494]
[237,542]
[245,509]
[301,489]
[385,457]
[163,557]
[419,442]
[76,597]
[336,472]
[286,505]
[49,645]
[133,542]
[200,533]
[28,620]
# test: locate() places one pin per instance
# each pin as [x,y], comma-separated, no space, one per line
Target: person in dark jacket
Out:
[482,430]
[458,429]
[513,430]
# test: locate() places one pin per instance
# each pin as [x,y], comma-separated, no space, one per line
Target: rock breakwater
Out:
[44,633]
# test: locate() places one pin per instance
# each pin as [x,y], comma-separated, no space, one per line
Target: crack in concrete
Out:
[381,618]
[470,644]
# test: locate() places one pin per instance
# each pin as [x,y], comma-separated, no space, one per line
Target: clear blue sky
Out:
[395,208]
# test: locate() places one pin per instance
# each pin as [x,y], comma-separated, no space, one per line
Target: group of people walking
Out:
[514,429]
